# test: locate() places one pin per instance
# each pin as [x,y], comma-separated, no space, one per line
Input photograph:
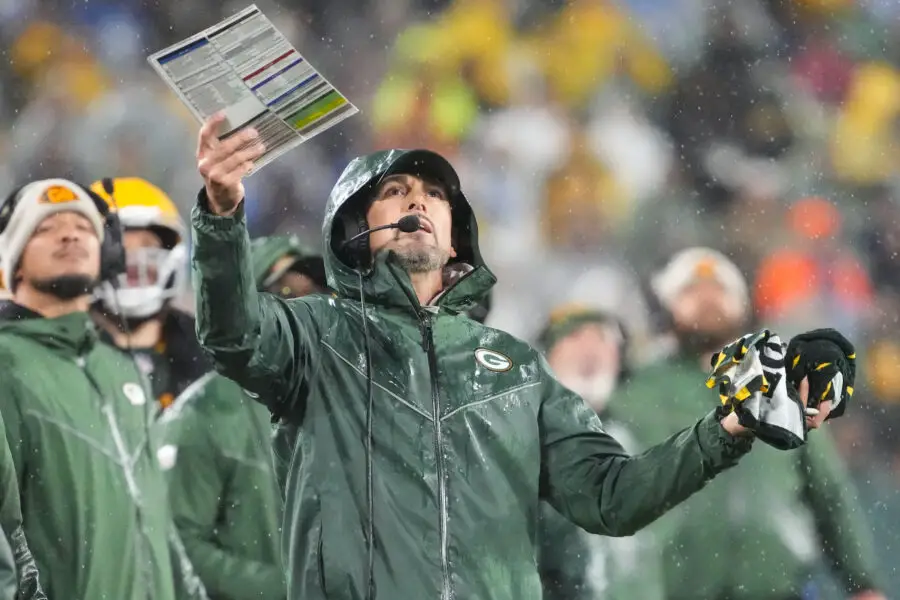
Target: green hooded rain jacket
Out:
[93,499]
[469,429]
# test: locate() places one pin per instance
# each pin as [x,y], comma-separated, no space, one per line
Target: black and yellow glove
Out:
[828,360]
[752,380]
[723,371]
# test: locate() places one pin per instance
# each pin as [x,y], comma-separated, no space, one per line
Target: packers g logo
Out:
[493,361]
[58,194]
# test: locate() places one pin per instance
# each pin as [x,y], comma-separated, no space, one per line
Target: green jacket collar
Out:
[388,284]
[73,334]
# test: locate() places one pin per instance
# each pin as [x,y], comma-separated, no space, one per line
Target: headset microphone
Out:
[407,224]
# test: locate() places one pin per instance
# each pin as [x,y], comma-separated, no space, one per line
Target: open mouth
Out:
[425,225]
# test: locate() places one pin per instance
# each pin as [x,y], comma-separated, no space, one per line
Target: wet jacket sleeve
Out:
[841,524]
[262,342]
[589,478]
[26,570]
[199,485]
[8,583]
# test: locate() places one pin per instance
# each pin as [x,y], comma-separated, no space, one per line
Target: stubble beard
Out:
[66,287]
[417,259]
[421,260]
[700,341]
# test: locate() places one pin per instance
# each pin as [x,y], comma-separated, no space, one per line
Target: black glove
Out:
[828,360]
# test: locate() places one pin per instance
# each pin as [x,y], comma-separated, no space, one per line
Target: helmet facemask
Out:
[153,277]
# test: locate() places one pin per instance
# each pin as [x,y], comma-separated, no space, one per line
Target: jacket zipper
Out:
[428,343]
[133,490]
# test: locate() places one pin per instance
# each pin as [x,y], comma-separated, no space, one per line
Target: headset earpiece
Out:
[352,221]
[112,252]
[9,205]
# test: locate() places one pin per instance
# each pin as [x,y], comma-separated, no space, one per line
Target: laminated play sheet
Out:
[247,69]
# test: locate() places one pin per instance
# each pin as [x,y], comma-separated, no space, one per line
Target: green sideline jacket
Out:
[470,429]
[92,496]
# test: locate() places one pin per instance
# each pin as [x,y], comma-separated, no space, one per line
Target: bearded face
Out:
[706,317]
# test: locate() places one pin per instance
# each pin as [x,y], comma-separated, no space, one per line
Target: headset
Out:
[112,251]
[351,221]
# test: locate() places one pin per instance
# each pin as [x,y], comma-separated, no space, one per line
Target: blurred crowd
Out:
[594,137]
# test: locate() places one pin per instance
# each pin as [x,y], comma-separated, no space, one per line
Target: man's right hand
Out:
[224,163]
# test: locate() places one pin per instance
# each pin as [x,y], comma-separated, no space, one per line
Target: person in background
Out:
[76,410]
[755,533]
[284,266]
[217,451]
[136,311]
[588,351]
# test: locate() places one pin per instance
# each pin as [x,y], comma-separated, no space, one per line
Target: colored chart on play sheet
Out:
[246,68]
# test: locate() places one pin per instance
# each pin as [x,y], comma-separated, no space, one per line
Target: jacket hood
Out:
[467,279]
[266,251]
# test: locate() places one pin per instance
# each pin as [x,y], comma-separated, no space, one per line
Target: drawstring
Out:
[370,483]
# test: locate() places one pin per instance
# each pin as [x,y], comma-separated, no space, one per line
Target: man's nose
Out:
[417,202]
[71,235]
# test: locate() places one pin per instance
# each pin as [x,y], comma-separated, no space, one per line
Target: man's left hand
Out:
[814,416]
[828,360]
[868,595]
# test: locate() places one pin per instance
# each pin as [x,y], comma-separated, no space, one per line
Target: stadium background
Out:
[595,138]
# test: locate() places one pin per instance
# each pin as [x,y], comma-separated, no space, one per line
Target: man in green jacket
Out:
[76,412]
[756,532]
[217,450]
[427,438]
[588,352]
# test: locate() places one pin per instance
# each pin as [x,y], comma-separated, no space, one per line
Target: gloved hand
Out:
[752,380]
[828,360]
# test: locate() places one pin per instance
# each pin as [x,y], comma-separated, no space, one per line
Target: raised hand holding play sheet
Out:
[246,69]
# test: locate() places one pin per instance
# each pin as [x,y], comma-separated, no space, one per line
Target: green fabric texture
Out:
[8,581]
[577,565]
[77,416]
[24,569]
[222,489]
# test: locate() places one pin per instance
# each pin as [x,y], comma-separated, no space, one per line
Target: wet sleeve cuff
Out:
[720,449]
[204,221]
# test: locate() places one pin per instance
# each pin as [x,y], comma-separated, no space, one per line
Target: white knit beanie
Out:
[37,201]
[693,264]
